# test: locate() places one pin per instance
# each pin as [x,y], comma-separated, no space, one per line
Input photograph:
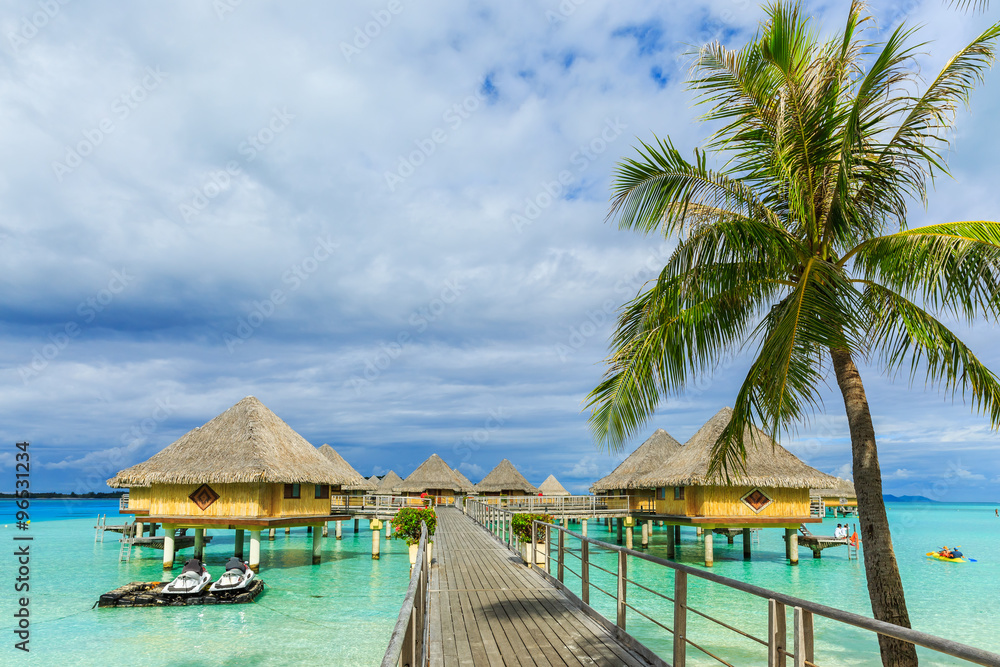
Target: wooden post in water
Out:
[254,562]
[238,549]
[326,530]
[340,529]
[288,530]
[671,547]
[168,546]
[355,525]
[388,526]
[709,555]
[680,618]
[270,535]
[583,527]
[317,545]
[645,535]
[621,527]
[199,543]
[628,537]
[746,544]
[792,546]
[677,534]
[309,529]
[139,528]
[375,543]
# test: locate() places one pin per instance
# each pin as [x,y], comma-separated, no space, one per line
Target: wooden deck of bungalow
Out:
[487,608]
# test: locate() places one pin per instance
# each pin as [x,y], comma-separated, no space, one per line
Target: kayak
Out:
[934,554]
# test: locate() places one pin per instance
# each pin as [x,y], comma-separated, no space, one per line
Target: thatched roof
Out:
[646,458]
[767,463]
[505,477]
[433,473]
[358,482]
[246,443]
[467,486]
[388,483]
[842,489]
[552,487]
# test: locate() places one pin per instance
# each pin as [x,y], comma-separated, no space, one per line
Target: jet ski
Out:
[192,579]
[238,576]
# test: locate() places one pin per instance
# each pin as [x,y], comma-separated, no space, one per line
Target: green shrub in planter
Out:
[406,523]
[521,525]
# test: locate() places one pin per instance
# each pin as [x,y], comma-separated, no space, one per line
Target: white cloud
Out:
[588,466]
[956,471]
[471,470]
[900,473]
[845,471]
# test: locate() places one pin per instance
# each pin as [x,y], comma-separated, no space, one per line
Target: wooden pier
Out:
[487,608]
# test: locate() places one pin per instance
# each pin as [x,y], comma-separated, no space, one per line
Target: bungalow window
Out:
[678,493]
[323,491]
[661,493]
[292,491]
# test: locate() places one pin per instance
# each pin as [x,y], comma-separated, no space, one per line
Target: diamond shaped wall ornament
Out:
[756,500]
[204,496]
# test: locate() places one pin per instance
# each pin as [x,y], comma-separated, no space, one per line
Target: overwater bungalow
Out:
[244,470]
[355,489]
[647,457]
[552,487]
[771,492]
[434,478]
[838,500]
[387,485]
[505,480]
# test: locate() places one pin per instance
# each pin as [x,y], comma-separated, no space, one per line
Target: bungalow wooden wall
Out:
[725,501]
[138,498]
[306,505]
[670,506]
[235,500]
[641,499]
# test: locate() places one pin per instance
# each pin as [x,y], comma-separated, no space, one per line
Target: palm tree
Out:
[799,248]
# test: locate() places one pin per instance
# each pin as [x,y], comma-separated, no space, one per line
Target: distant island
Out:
[90,495]
[889,498]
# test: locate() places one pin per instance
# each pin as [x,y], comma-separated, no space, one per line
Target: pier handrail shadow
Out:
[497,521]
[408,644]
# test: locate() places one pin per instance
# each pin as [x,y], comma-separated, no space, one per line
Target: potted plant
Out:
[406,526]
[521,525]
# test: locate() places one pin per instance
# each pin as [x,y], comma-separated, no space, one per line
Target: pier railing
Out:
[374,503]
[408,644]
[123,502]
[801,651]
[593,505]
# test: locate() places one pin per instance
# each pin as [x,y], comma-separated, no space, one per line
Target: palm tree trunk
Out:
[885,588]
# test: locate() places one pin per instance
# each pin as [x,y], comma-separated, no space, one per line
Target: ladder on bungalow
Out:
[817,507]
[128,538]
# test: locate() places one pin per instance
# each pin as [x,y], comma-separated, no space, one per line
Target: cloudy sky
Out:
[384,219]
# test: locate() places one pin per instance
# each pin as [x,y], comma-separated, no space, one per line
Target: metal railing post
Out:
[534,539]
[585,571]
[680,618]
[548,548]
[777,636]
[622,589]
[802,633]
[559,571]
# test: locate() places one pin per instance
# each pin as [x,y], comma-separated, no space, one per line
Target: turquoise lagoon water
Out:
[956,601]
[338,613]
[342,612]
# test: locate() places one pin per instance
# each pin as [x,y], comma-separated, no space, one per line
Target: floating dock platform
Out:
[150,594]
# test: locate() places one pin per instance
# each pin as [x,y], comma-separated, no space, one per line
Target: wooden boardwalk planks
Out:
[487,608]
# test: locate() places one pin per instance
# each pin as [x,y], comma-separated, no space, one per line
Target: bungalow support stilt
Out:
[288,530]
[645,535]
[254,562]
[621,527]
[792,545]
[326,530]
[199,543]
[375,543]
[628,537]
[583,527]
[671,547]
[355,525]
[709,555]
[238,549]
[317,545]
[340,530]
[746,544]
[168,546]
[677,534]
[270,535]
